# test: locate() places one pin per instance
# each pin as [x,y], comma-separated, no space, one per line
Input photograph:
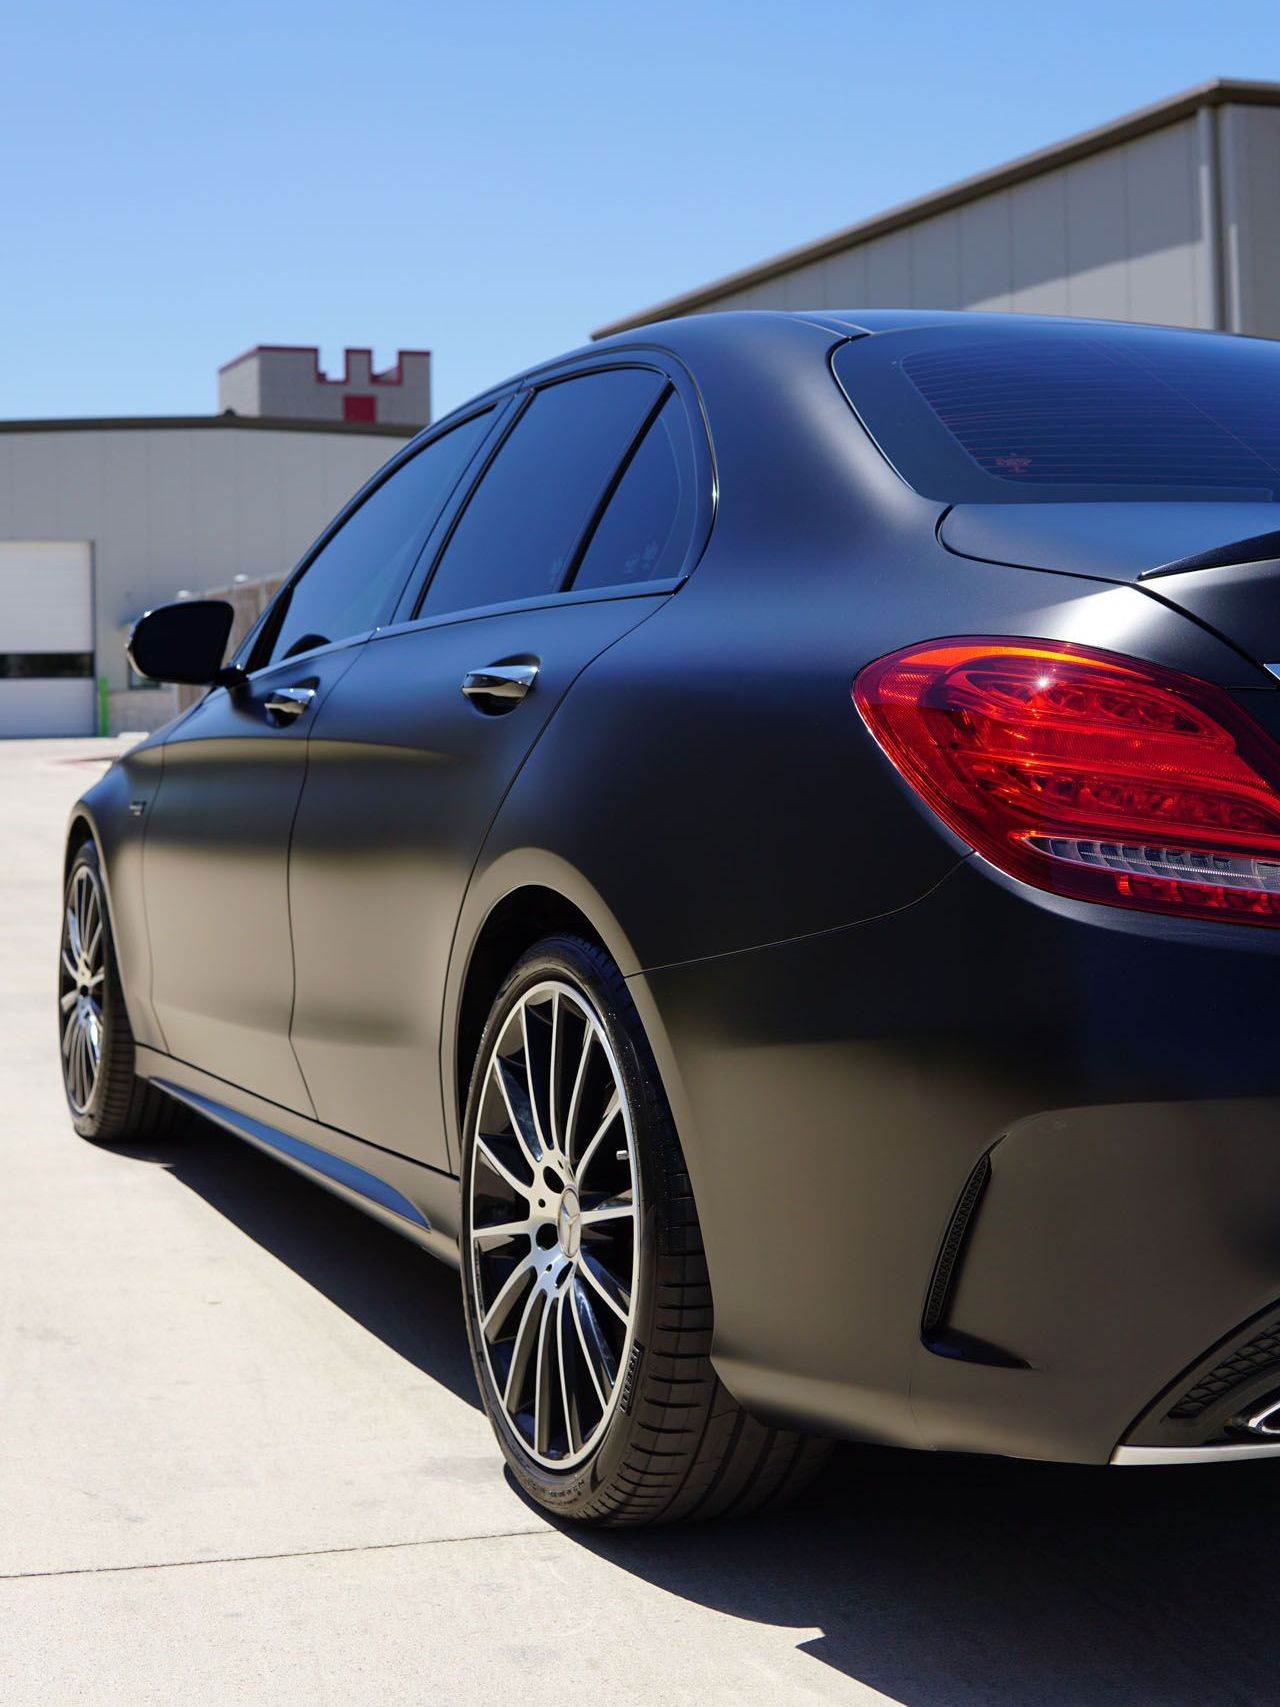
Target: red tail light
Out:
[1087,773]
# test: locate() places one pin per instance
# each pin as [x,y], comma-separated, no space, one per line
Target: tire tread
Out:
[127,1108]
[699,1455]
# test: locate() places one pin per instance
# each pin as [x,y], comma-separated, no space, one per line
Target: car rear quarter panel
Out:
[708,796]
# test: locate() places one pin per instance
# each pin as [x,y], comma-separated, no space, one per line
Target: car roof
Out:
[854,321]
[686,336]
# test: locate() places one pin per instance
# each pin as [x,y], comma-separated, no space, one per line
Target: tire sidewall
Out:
[89,1123]
[571,960]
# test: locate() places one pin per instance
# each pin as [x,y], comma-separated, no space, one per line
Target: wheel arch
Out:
[84,827]
[513,925]
[80,829]
[523,897]
[106,815]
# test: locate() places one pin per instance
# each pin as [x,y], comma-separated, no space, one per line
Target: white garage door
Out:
[46,638]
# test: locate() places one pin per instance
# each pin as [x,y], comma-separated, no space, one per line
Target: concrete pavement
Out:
[241,1461]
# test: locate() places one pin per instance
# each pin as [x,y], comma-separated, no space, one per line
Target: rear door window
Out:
[518,535]
[645,530]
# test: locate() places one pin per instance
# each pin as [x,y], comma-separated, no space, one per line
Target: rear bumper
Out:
[1157,1455]
[1121,1077]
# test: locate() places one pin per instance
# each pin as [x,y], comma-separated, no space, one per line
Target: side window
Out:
[353,583]
[644,533]
[517,536]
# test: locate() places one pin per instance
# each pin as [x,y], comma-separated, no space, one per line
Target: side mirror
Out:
[183,642]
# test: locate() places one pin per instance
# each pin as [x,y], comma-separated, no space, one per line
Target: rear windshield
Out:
[993,412]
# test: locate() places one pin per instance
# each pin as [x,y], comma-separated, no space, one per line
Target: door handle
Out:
[287,703]
[500,681]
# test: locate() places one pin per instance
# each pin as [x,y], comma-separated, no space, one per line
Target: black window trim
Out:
[449,521]
[535,601]
[524,391]
[262,634]
[611,486]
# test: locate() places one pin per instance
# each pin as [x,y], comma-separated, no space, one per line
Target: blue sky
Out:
[492,180]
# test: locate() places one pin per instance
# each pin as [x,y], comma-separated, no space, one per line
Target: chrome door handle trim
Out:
[500,681]
[289,702]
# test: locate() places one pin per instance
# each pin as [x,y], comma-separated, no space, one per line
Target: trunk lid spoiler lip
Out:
[1114,540]
[1258,548]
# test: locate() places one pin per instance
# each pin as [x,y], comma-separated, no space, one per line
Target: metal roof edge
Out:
[1219,91]
[159,423]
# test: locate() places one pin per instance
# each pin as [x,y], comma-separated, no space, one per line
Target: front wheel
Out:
[585,1285]
[106,1100]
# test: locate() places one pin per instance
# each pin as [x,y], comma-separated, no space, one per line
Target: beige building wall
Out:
[1251,217]
[1171,215]
[1120,236]
[169,508]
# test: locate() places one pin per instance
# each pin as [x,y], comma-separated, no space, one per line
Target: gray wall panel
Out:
[215,509]
[1117,235]
[986,253]
[168,508]
[889,269]
[847,279]
[1038,216]
[1164,227]
[34,496]
[1097,236]
[935,262]
[79,476]
[1252,138]
[170,523]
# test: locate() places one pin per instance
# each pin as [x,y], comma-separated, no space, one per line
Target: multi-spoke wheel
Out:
[106,1100]
[554,1203]
[81,973]
[588,1308]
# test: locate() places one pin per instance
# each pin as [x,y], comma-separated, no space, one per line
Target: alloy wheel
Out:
[554,1224]
[81,973]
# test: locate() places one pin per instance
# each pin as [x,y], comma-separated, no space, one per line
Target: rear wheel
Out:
[585,1284]
[108,1102]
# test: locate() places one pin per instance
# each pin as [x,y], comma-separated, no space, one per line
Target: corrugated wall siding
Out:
[168,508]
[1250,153]
[1119,234]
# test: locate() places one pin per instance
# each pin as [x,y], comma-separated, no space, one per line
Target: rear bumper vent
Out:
[944,1270]
[1258,1356]
[936,1332]
[1219,1400]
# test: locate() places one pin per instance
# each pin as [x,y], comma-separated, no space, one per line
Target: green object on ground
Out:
[103,707]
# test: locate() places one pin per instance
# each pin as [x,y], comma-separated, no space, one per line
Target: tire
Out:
[638,1429]
[107,1101]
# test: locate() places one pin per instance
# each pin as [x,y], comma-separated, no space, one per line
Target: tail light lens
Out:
[1087,773]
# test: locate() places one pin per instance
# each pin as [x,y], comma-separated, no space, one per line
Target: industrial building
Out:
[1171,214]
[101,519]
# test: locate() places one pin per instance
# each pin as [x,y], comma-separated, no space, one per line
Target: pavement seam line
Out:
[255,1558]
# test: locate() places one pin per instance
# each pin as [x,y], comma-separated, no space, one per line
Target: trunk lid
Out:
[1145,543]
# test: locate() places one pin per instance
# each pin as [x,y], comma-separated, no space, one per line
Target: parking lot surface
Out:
[242,1461]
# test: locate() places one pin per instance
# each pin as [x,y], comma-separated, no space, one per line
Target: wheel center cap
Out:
[569,1223]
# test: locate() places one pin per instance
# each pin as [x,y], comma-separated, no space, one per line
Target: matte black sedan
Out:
[761,841]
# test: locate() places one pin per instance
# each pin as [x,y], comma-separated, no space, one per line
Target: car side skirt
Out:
[417,1201]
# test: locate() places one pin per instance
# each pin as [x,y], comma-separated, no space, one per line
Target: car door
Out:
[427,731]
[217,838]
